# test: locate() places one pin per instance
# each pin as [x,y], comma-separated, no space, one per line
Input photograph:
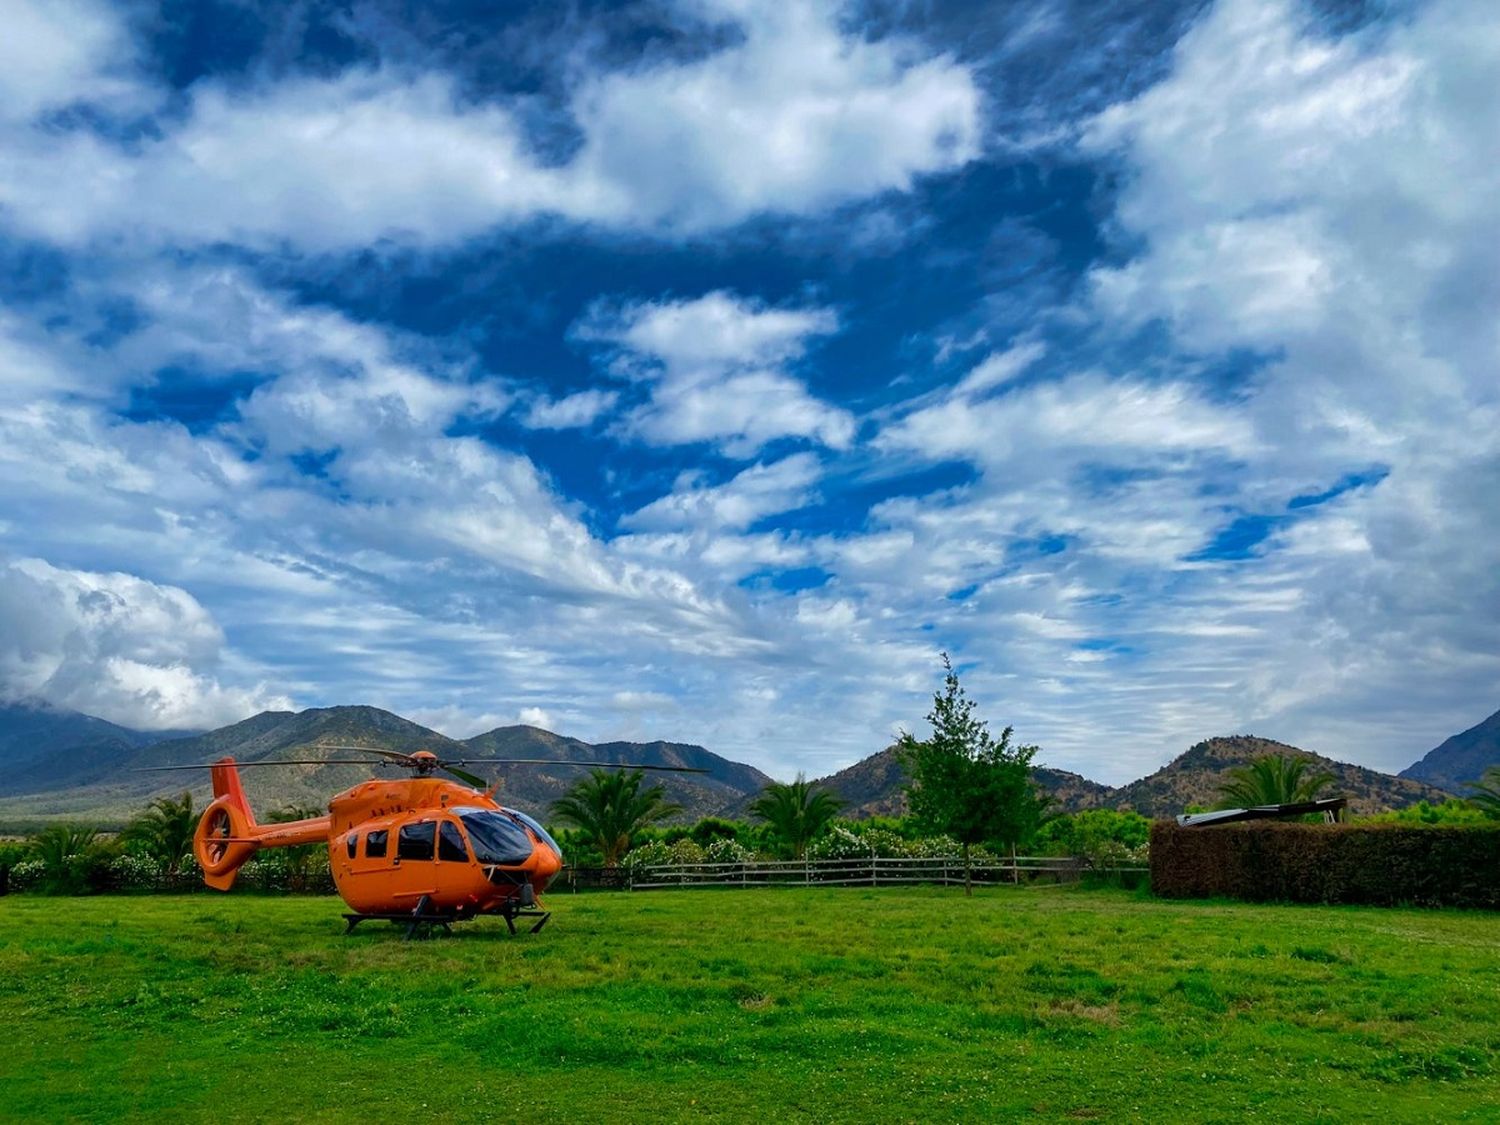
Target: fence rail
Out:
[871,871]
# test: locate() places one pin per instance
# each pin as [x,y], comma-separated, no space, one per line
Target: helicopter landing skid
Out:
[423,918]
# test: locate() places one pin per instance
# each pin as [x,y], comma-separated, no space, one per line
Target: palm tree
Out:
[611,807]
[1486,794]
[67,851]
[1272,780]
[164,831]
[796,812]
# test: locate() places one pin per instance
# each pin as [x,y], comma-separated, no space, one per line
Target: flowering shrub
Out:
[685,851]
[943,847]
[837,843]
[648,855]
[135,873]
[28,874]
[726,851]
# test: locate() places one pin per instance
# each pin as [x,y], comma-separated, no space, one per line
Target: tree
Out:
[73,856]
[797,812]
[1272,779]
[964,782]
[712,828]
[611,807]
[164,832]
[1486,794]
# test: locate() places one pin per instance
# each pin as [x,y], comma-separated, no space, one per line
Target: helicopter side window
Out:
[375,844]
[451,843]
[495,837]
[352,844]
[416,840]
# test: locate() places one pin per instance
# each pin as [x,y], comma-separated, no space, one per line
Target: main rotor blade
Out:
[466,777]
[249,765]
[394,755]
[575,762]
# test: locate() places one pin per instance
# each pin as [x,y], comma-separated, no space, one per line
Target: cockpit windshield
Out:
[495,837]
[541,833]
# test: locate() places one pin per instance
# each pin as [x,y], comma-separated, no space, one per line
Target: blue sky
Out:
[701,370]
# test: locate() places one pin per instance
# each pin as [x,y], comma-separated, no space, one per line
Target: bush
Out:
[839,842]
[28,875]
[724,850]
[136,873]
[1382,864]
[11,854]
[653,854]
[1451,811]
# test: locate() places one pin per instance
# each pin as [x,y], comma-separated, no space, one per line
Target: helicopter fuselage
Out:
[392,842]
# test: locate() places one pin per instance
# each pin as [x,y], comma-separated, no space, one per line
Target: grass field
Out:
[793,1004]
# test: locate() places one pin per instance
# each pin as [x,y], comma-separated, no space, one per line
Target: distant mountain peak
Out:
[1196,776]
[1461,760]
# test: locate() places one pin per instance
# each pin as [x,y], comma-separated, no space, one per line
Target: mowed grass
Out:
[789,1004]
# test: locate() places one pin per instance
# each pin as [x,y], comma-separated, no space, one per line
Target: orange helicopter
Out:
[422,851]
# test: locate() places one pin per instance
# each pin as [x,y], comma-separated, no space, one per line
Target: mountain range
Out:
[60,764]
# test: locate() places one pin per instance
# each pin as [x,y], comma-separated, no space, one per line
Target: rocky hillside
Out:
[1194,778]
[112,790]
[1461,759]
[536,787]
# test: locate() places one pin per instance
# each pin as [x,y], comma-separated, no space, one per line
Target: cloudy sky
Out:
[702,369]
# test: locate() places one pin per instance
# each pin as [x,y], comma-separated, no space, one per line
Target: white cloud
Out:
[535,717]
[794,117]
[116,646]
[573,411]
[1055,425]
[759,491]
[999,368]
[716,367]
[55,53]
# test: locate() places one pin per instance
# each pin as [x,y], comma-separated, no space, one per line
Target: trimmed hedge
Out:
[1382,864]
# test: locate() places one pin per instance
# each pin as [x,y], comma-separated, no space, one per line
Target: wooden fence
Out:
[867,871]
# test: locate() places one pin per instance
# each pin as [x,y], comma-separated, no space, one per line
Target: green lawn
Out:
[790,1004]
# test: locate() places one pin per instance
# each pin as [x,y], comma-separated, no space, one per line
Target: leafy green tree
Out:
[964,782]
[611,807]
[1104,837]
[1486,793]
[1272,779]
[712,828]
[164,832]
[796,812]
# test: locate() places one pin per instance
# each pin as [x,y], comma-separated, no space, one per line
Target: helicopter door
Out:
[451,843]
